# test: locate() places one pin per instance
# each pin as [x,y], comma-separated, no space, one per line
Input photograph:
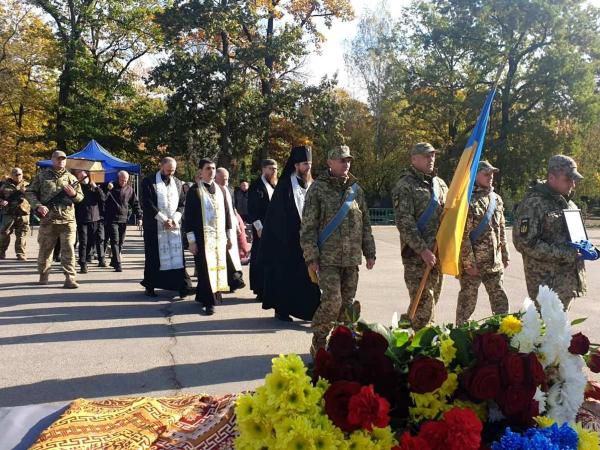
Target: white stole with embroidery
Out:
[234,252]
[215,241]
[170,250]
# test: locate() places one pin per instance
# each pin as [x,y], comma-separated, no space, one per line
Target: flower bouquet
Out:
[506,382]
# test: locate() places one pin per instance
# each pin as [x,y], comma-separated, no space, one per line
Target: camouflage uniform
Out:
[411,196]
[540,234]
[15,217]
[340,256]
[489,254]
[59,223]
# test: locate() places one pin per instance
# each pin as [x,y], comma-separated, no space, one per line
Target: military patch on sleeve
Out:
[524,226]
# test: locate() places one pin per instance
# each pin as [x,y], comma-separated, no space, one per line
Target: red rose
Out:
[514,399]
[483,382]
[328,367]
[341,343]
[512,369]
[593,362]
[408,442]
[490,347]
[435,433]
[337,399]
[367,409]
[464,429]
[426,375]
[580,344]
[525,418]
[534,369]
[372,344]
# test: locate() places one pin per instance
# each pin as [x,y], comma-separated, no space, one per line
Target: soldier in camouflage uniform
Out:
[336,261]
[57,216]
[15,210]
[540,234]
[484,253]
[419,198]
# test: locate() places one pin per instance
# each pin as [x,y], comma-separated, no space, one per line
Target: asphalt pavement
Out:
[107,339]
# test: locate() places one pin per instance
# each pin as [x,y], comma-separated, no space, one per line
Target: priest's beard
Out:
[273,180]
[306,176]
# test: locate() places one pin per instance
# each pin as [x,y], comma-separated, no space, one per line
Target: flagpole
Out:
[414,304]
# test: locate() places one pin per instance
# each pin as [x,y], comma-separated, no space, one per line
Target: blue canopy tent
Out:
[95,152]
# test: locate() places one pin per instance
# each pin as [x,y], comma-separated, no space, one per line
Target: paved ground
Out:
[108,339]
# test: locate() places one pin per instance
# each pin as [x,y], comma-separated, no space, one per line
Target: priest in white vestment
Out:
[207,225]
[162,205]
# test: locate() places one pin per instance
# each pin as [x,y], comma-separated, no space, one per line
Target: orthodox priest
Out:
[235,276]
[288,288]
[162,205]
[259,197]
[207,225]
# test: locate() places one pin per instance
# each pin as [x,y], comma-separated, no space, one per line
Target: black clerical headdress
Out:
[298,154]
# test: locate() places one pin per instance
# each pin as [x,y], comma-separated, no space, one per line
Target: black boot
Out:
[102,263]
[150,292]
[283,317]
[118,268]
[209,310]
[83,268]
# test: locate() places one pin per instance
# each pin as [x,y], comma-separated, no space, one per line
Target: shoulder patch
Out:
[524,226]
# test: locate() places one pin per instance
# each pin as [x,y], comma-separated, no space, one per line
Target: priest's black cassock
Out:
[287,287]
[258,204]
[154,278]
[194,222]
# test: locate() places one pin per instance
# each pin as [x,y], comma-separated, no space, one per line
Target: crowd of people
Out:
[309,237]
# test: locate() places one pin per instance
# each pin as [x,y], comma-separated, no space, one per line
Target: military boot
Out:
[44,278]
[70,283]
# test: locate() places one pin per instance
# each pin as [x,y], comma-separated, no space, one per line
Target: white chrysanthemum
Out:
[494,413]
[540,397]
[530,334]
[568,381]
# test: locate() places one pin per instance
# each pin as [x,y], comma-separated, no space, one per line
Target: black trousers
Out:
[116,234]
[86,234]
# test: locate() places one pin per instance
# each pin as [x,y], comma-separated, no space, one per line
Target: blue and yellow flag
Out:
[450,234]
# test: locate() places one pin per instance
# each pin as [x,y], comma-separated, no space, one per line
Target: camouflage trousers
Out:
[338,288]
[18,224]
[414,269]
[467,297]
[49,233]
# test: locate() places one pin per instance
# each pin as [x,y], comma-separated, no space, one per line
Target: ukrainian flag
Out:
[450,234]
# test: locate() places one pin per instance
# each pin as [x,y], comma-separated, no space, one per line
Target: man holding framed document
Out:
[550,235]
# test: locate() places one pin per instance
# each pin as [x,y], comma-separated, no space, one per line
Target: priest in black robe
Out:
[207,227]
[162,206]
[259,197]
[287,287]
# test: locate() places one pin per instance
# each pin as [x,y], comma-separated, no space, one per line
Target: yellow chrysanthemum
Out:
[449,386]
[383,437]
[588,439]
[255,429]
[300,441]
[544,421]
[290,365]
[510,325]
[326,440]
[359,440]
[447,351]
[245,407]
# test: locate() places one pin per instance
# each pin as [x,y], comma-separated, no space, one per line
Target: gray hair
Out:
[222,170]
[167,160]
[122,172]
[16,170]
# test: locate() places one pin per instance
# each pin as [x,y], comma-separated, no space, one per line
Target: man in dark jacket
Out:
[120,201]
[87,215]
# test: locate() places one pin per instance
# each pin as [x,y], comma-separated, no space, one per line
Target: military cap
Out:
[422,148]
[59,154]
[565,165]
[340,152]
[268,162]
[485,165]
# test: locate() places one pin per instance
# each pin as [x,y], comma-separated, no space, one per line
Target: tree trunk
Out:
[266,85]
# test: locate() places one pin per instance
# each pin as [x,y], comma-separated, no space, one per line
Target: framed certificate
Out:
[575,225]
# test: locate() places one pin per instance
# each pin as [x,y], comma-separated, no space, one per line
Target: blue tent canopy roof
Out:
[96,152]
